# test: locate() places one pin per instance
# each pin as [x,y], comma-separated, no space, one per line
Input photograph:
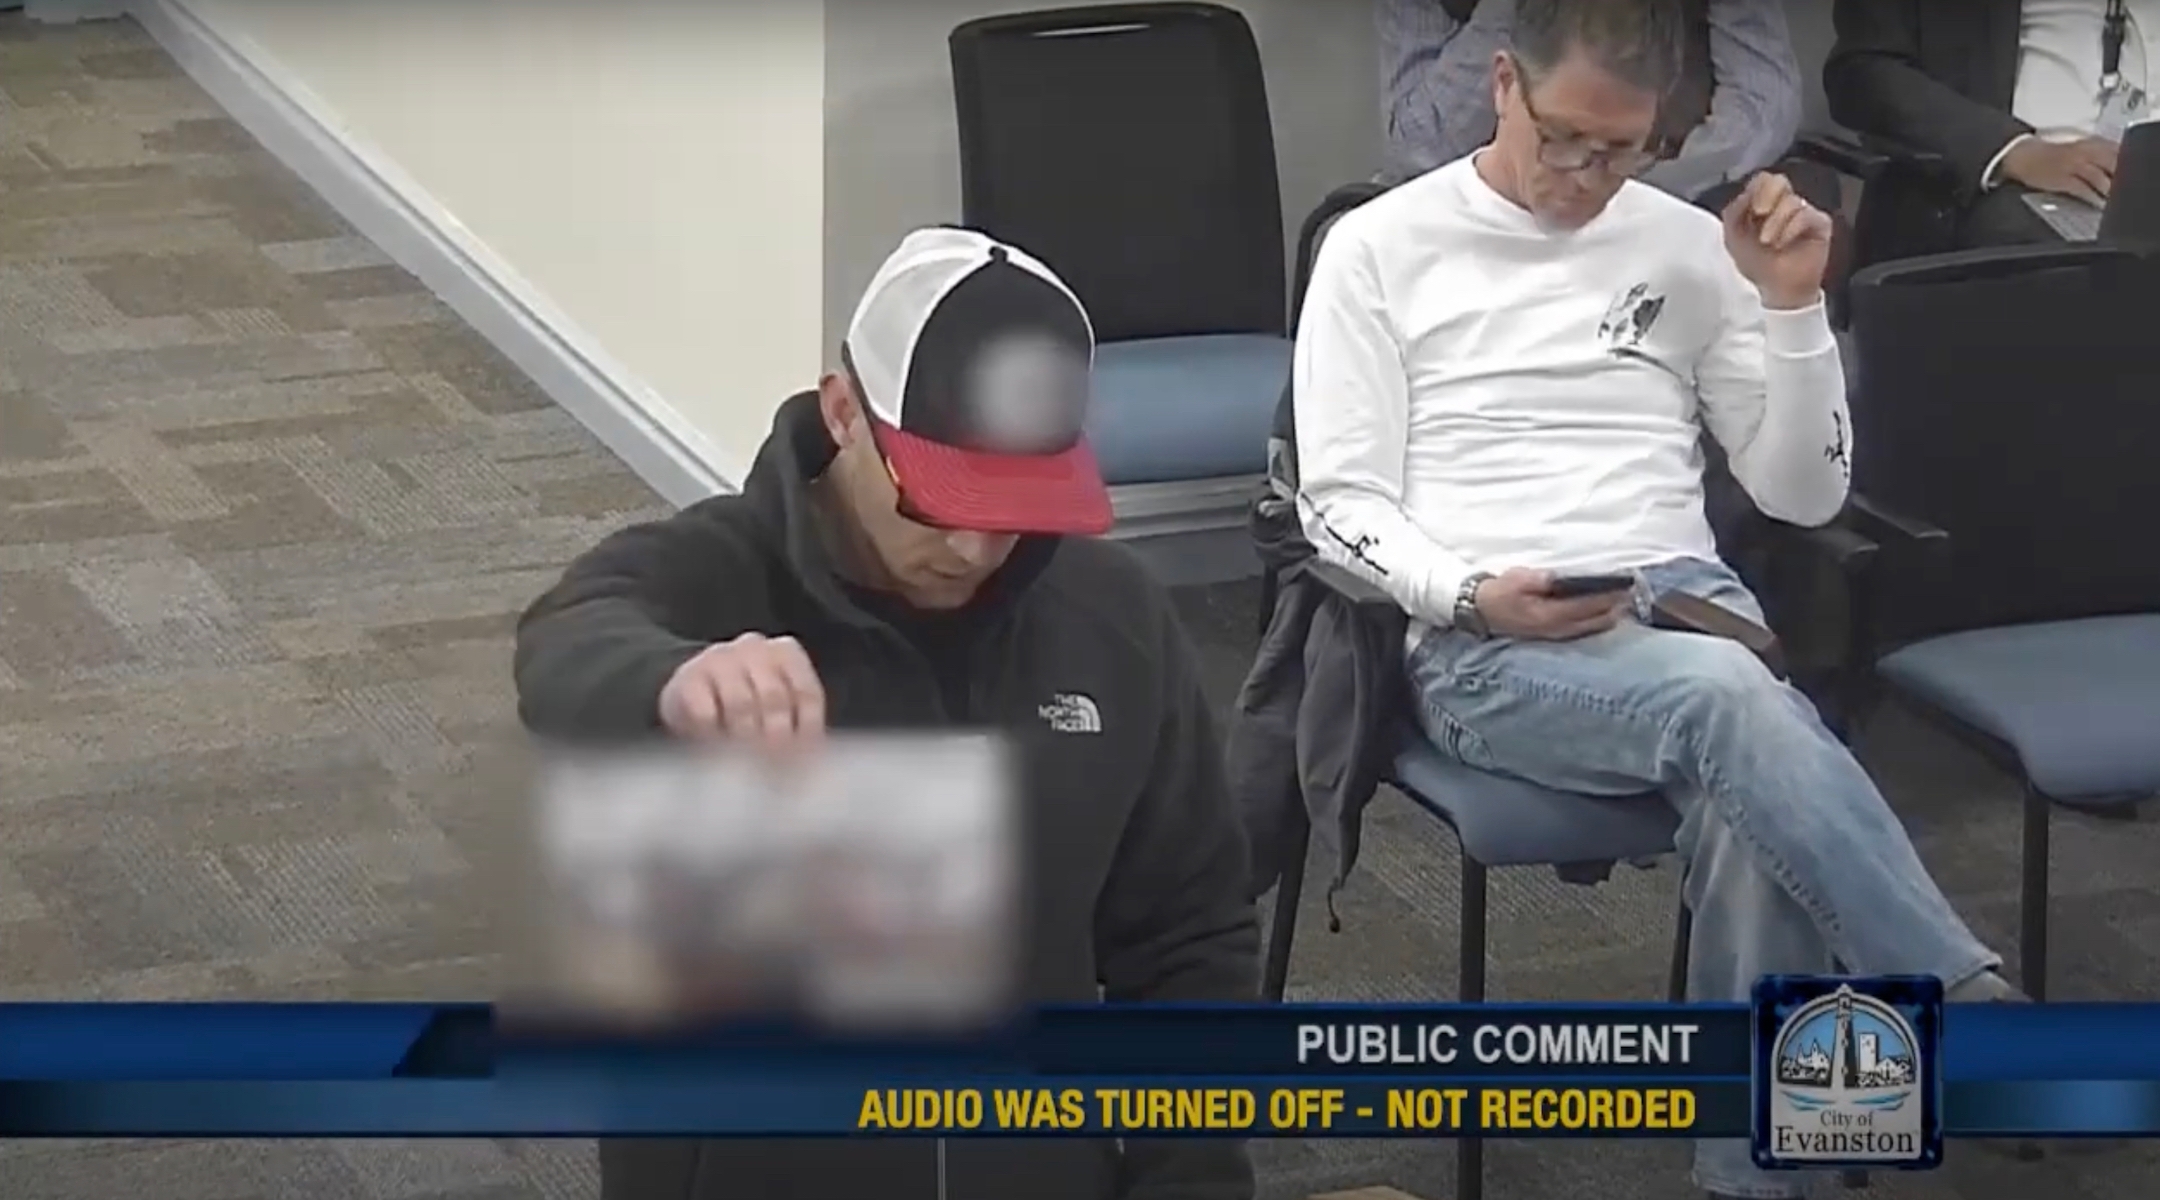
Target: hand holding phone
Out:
[1541,606]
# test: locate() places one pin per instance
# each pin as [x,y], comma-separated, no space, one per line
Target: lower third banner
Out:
[1832,1062]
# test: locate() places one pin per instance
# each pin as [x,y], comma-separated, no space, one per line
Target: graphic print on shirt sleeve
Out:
[1836,451]
[1359,548]
[1628,320]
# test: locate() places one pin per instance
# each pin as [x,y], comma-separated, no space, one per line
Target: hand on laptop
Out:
[2083,169]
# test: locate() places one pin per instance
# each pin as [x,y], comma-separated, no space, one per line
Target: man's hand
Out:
[756,688]
[1518,603]
[1780,242]
[2084,169]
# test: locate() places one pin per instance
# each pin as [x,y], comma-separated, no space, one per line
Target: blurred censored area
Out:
[868,884]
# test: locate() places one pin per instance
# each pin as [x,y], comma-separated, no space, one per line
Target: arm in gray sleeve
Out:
[1436,80]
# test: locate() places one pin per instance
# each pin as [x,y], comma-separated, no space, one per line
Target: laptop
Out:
[2133,207]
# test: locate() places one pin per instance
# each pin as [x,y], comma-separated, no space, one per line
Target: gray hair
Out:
[1638,41]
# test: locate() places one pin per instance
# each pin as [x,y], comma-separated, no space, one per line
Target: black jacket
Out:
[1137,864]
[1936,76]
[1320,716]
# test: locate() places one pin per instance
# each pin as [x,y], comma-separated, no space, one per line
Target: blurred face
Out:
[1571,137]
[928,567]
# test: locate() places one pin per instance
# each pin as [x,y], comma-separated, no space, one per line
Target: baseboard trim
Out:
[390,209]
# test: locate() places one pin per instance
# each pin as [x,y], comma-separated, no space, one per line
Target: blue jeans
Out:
[1793,857]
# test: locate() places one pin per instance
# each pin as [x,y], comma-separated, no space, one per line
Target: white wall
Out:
[891,160]
[651,168]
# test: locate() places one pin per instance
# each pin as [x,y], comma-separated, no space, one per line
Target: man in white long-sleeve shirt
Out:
[1503,370]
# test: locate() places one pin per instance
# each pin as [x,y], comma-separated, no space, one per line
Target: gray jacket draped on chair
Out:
[1320,715]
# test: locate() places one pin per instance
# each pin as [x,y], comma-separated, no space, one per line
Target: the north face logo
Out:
[1071,712]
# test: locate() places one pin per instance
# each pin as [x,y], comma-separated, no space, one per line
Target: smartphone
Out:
[1568,587]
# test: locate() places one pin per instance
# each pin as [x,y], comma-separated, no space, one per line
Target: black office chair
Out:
[1130,147]
[2009,411]
[1905,210]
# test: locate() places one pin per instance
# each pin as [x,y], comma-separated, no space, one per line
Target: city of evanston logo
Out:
[1845,1083]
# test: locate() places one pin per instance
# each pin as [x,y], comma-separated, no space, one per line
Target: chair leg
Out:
[1683,938]
[2033,897]
[1282,923]
[1470,989]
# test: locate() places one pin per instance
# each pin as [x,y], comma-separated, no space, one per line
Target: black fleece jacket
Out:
[1137,861]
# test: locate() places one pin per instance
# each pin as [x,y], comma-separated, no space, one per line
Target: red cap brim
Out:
[997,493]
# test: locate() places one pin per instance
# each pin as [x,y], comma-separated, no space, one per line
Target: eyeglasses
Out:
[1570,152]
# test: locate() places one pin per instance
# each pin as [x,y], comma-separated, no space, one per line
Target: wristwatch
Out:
[1467,617]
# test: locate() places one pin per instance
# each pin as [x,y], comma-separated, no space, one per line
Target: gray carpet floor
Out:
[267,512]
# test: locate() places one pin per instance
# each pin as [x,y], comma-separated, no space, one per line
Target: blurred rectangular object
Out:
[869,884]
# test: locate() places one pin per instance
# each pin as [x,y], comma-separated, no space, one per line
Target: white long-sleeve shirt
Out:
[1475,392]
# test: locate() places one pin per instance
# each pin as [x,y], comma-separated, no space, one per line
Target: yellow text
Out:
[1155,1110]
[1586,1108]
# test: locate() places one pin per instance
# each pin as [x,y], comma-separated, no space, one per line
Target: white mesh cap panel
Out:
[907,288]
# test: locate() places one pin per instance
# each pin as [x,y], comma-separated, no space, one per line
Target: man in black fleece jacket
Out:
[906,553]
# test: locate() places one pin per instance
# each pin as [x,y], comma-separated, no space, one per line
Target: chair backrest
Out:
[1279,489]
[2133,206]
[1130,148]
[2009,397]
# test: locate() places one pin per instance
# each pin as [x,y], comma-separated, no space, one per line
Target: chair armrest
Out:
[1887,527]
[1844,548]
[1343,583]
[1331,206]
[1841,153]
[1913,550]
[2003,262]
[1868,158]
[1692,614]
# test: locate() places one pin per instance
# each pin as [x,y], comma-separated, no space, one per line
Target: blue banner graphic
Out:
[130,1070]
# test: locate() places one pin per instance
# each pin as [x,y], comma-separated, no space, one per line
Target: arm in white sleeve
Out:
[1754,109]
[1352,406]
[1993,175]
[1773,394]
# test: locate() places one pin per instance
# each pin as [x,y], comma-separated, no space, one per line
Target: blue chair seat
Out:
[1181,408]
[1507,822]
[2074,699]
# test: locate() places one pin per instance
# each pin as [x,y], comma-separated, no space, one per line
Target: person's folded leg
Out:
[1794,858]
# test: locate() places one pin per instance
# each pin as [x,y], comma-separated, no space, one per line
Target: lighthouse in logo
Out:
[1845,1084]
